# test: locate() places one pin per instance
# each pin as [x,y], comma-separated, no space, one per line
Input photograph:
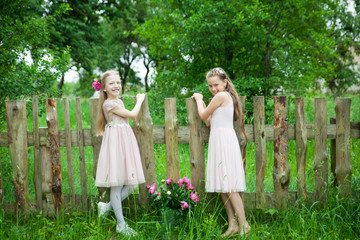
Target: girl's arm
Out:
[205,112]
[123,112]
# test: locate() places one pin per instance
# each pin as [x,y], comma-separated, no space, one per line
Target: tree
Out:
[121,45]
[78,29]
[24,32]
[265,46]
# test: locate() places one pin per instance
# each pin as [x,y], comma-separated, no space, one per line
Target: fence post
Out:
[69,158]
[53,133]
[320,152]
[80,134]
[143,129]
[343,145]
[281,172]
[171,139]
[333,153]
[196,145]
[96,144]
[260,149]
[46,180]
[37,163]
[17,137]
[239,127]
[301,147]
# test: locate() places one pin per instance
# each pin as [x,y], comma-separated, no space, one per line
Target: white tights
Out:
[117,195]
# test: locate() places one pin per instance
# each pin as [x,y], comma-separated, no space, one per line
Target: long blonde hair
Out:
[229,88]
[101,121]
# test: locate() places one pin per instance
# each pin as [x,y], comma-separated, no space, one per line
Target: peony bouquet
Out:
[178,196]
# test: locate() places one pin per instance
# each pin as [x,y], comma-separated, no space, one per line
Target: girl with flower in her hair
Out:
[119,164]
[225,172]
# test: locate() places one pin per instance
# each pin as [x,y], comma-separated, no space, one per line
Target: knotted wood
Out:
[53,135]
[320,151]
[281,171]
[143,129]
[343,145]
[17,137]
[260,149]
[196,145]
[171,139]
[37,163]
[69,158]
[80,138]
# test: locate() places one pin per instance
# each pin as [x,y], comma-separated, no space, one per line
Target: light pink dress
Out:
[119,160]
[224,171]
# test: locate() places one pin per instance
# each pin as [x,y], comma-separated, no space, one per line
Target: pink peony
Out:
[181,181]
[96,84]
[194,197]
[184,205]
[168,181]
[152,188]
[158,193]
[186,180]
[148,186]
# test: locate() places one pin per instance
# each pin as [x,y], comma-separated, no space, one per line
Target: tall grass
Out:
[339,218]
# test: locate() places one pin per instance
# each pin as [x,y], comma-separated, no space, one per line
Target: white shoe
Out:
[103,210]
[126,230]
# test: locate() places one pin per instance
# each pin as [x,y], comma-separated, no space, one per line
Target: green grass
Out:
[340,218]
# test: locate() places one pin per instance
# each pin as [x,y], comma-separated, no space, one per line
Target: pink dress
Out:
[119,160]
[224,171]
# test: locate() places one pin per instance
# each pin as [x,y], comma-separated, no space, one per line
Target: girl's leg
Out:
[115,200]
[127,190]
[233,226]
[238,206]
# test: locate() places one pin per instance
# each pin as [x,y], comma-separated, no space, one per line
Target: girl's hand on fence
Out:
[197,96]
[140,97]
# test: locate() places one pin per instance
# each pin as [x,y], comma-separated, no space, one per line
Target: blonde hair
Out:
[229,88]
[101,121]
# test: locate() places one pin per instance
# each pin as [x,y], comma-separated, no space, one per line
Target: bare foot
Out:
[233,229]
[245,229]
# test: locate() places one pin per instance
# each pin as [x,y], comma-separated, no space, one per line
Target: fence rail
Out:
[48,140]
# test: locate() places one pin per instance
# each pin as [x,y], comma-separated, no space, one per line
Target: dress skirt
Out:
[119,161]
[225,170]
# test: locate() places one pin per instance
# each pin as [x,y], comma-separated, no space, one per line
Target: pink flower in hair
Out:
[96,84]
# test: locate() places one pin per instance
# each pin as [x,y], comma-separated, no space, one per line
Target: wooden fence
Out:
[48,140]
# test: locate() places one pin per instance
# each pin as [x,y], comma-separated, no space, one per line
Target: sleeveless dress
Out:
[225,170]
[119,160]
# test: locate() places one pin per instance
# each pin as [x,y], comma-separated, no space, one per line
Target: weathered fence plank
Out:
[333,153]
[301,147]
[16,129]
[53,133]
[260,149]
[171,139]
[343,145]
[320,151]
[143,129]
[81,154]
[196,145]
[46,180]
[37,163]
[69,158]
[184,134]
[281,172]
